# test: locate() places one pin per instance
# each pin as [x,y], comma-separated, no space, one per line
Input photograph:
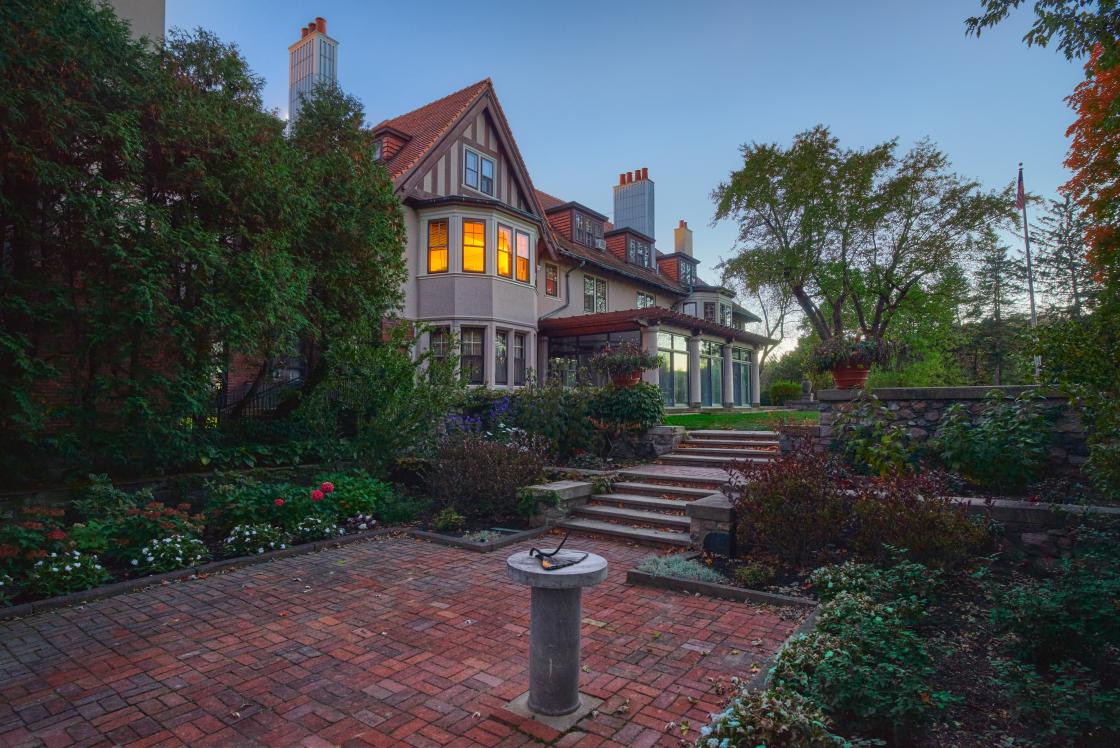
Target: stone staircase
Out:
[649,503]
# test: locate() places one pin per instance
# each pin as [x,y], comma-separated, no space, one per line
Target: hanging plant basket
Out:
[850,377]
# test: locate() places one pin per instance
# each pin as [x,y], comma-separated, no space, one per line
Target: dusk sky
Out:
[592,89]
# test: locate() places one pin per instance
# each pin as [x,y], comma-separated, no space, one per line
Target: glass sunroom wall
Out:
[673,376]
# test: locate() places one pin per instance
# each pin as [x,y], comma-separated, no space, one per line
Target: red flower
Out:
[317,495]
[56,535]
[328,487]
[279,502]
[8,551]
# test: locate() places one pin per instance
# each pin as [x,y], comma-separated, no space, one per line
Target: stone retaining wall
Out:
[920,410]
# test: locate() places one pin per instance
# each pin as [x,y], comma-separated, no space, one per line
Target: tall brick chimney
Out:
[633,201]
[682,239]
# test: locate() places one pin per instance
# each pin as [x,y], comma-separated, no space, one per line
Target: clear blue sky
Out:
[595,88]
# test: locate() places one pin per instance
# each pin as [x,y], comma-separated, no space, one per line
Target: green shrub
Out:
[1070,703]
[7,589]
[168,554]
[754,574]
[623,361]
[796,509]
[906,585]
[681,568]
[253,540]
[784,390]
[62,573]
[775,718]
[141,526]
[34,535]
[449,520]
[1072,615]
[863,663]
[558,414]
[871,442]
[638,407]
[481,478]
[1005,447]
[358,493]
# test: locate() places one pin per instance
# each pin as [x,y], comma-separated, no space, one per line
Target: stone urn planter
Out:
[626,380]
[850,377]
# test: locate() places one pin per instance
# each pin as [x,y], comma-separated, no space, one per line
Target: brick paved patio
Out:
[389,642]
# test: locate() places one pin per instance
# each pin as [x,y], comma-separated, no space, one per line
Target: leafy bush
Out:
[681,568]
[62,573]
[102,500]
[623,414]
[556,413]
[865,664]
[871,442]
[481,478]
[1070,703]
[915,513]
[36,534]
[793,507]
[906,585]
[357,492]
[141,526]
[775,718]
[754,574]
[253,540]
[784,390]
[170,553]
[449,520]
[1004,447]
[848,351]
[7,589]
[310,529]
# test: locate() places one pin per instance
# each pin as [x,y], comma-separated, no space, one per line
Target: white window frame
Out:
[477,186]
[596,281]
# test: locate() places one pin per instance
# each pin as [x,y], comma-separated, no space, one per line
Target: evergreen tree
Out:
[998,284]
[1062,269]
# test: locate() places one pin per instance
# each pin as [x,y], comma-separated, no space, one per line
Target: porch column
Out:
[649,345]
[457,333]
[542,358]
[755,394]
[694,371]
[728,378]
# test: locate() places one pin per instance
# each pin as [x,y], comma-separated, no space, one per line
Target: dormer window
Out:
[687,273]
[377,150]
[478,172]
[589,232]
[638,253]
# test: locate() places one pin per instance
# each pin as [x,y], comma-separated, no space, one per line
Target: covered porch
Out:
[703,364]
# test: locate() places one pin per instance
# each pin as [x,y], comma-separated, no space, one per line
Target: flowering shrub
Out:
[141,526]
[355,493]
[776,718]
[623,361]
[314,528]
[842,351]
[361,523]
[241,500]
[480,478]
[253,540]
[61,573]
[796,507]
[33,536]
[170,553]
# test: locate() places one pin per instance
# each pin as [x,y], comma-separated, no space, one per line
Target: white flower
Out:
[260,550]
[135,562]
[282,546]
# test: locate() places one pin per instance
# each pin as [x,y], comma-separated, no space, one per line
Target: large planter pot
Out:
[626,380]
[850,377]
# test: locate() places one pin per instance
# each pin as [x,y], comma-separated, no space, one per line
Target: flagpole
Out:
[1022,199]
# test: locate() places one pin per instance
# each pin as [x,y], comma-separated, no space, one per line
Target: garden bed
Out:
[708,585]
[213,567]
[480,541]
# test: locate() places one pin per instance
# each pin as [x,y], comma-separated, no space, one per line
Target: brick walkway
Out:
[389,642]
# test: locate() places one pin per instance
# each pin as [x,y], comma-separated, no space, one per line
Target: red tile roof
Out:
[629,319]
[547,201]
[428,123]
[608,261]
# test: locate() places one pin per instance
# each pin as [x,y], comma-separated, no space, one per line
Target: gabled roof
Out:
[547,201]
[608,261]
[425,126]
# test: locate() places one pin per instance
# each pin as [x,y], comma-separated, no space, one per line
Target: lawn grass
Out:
[745,421]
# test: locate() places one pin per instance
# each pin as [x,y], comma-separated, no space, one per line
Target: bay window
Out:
[474,246]
[519,358]
[470,354]
[437,246]
[501,357]
[505,251]
[522,256]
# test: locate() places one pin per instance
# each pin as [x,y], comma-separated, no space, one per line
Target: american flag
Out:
[1020,195]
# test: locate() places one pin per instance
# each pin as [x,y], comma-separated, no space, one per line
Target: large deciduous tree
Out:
[1061,265]
[850,233]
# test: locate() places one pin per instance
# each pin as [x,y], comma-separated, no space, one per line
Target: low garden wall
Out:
[920,410]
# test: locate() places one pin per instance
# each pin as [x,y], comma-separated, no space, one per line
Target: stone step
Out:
[637,534]
[700,477]
[729,434]
[631,516]
[662,490]
[731,442]
[677,458]
[699,448]
[638,501]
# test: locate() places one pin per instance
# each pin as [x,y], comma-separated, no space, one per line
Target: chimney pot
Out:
[321,24]
[622,178]
[684,224]
[303,32]
[645,173]
[629,177]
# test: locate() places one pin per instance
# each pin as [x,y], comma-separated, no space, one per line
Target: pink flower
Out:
[279,502]
[316,495]
[328,487]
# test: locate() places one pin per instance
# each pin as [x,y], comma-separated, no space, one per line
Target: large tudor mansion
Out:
[528,281]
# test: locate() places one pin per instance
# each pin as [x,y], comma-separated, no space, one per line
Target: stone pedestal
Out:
[554,628]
